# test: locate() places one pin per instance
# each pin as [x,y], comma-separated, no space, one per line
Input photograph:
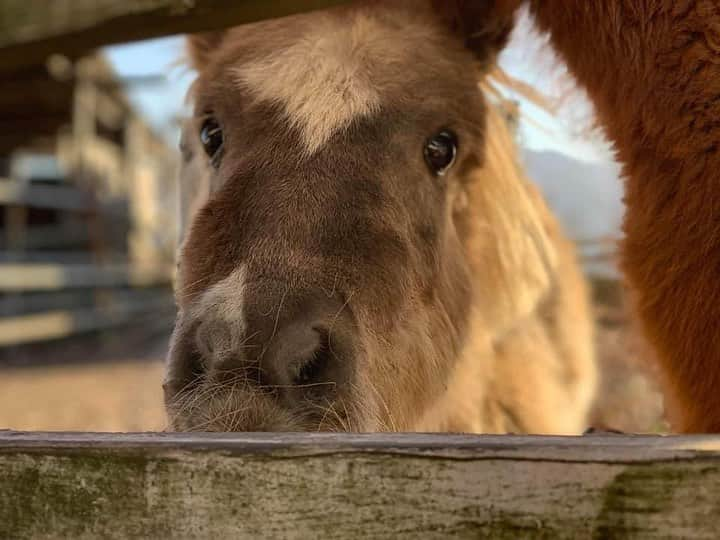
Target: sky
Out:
[568,132]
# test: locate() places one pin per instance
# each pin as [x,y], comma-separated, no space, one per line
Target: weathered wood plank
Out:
[30,30]
[357,486]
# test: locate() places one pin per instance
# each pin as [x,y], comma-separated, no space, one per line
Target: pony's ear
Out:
[201,46]
[484,25]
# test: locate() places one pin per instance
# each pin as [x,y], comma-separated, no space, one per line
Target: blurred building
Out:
[87,204]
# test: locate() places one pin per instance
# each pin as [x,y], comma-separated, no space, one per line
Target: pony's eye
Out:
[211,136]
[440,151]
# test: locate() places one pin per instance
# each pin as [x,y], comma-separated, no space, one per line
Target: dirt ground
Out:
[629,397]
[120,390]
[117,388]
[114,396]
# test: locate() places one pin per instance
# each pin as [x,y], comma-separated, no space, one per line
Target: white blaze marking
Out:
[324,79]
[226,299]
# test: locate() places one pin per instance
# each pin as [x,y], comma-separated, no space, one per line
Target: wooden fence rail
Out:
[49,277]
[63,323]
[357,486]
[121,294]
[53,197]
[31,30]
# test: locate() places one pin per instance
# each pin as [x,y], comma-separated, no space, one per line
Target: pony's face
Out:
[322,280]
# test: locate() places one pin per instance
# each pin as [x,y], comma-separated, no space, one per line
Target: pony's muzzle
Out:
[293,345]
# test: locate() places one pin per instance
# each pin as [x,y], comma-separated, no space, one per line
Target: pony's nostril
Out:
[184,374]
[315,368]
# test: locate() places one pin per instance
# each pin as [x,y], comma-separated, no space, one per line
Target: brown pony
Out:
[652,68]
[363,252]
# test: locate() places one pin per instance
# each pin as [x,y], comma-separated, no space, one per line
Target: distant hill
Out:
[586,196]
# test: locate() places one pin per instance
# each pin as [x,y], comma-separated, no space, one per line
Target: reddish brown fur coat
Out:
[652,68]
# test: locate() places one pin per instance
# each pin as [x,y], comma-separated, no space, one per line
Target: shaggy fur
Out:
[529,367]
[454,302]
[652,68]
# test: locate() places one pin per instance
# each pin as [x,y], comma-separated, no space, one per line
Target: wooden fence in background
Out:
[90,247]
[47,293]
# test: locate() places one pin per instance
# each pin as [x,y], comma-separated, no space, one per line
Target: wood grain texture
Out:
[30,30]
[356,486]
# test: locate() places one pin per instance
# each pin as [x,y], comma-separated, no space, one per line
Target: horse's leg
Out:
[652,68]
